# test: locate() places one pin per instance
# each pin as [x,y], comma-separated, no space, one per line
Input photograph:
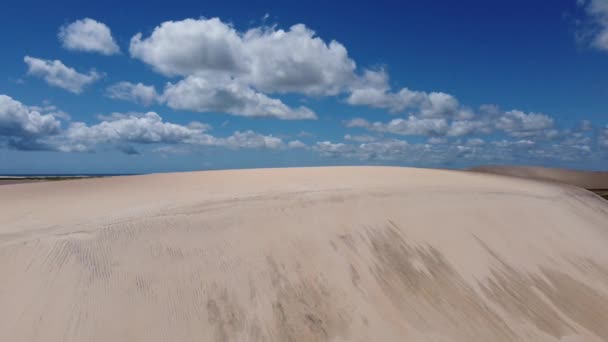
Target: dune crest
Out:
[582,179]
[303,254]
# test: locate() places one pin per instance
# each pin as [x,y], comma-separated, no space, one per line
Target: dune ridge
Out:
[580,178]
[303,254]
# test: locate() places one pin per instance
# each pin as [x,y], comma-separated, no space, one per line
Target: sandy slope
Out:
[339,254]
[583,179]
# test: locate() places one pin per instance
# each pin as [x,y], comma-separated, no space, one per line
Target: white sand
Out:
[311,254]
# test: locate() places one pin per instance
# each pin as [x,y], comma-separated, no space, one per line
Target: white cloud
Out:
[296,61]
[413,126]
[47,108]
[357,122]
[520,124]
[23,127]
[55,73]
[466,127]
[173,149]
[597,10]
[233,71]
[475,142]
[390,149]
[19,120]
[296,144]
[266,58]
[470,152]
[490,119]
[28,128]
[410,126]
[190,47]
[228,96]
[250,139]
[360,138]
[381,150]
[602,138]
[437,140]
[88,35]
[329,149]
[142,129]
[123,131]
[138,93]
[585,126]
[523,143]
[372,89]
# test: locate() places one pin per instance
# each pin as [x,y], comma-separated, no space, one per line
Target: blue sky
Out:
[127,87]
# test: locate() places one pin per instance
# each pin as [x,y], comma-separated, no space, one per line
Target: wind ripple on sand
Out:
[319,254]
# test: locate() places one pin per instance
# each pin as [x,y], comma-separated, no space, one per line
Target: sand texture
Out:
[308,254]
[583,179]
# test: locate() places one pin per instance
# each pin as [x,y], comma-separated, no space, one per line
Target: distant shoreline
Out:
[35,178]
[58,175]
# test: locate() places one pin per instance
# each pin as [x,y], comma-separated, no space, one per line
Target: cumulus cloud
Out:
[410,126]
[467,127]
[437,140]
[19,120]
[389,149]
[330,149]
[230,71]
[488,120]
[380,150]
[228,96]
[143,129]
[190,47]
[360,138]
[585,126]
[509,136]
[88,35]
[521,124]
[57,74]
[597,11]
[357,122]
[373,90]
[472,151]
[269,59]
[227,70]
[439,114]
[134,92]
[435,104]
[475,142]
[297,61]
[296,144]
[250,139]
[23,127]
[123,130]
[603,138]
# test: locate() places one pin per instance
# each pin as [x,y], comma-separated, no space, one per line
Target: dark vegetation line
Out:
[34,179]
[600,192]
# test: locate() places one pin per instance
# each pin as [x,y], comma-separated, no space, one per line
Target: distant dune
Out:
[583,179]
[306,254]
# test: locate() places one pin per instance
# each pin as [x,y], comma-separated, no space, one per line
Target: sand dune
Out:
[583,179]
[311,254]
